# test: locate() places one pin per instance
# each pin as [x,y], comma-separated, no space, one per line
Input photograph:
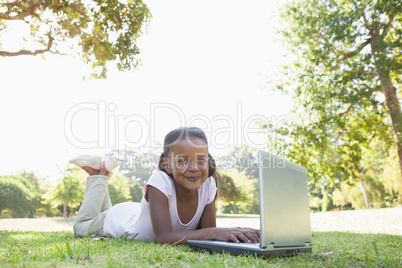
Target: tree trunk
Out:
[364,192]
[394,110]
[70,214]
[389,91]
[65,210]
[324,200]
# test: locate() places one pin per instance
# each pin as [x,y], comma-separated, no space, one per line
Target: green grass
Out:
[61,249]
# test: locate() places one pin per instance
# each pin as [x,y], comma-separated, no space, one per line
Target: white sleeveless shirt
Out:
[130,218]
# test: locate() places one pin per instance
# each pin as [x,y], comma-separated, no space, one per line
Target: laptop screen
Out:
[284,204]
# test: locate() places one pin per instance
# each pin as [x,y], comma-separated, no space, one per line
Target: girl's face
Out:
[188,163]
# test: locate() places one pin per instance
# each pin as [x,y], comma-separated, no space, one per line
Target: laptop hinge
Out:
[269,245]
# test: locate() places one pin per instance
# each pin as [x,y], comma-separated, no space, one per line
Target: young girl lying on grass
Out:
[178,203]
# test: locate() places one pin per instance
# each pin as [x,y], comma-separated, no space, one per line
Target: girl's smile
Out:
[193,178]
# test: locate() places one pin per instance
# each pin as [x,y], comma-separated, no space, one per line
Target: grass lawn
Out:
[61,249]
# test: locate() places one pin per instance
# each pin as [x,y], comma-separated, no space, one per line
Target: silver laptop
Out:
[284,213]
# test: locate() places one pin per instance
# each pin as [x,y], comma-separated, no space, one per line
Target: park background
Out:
[215,65]
[325,96]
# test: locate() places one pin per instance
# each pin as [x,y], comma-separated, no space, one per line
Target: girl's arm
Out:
[162,225]
[208,217]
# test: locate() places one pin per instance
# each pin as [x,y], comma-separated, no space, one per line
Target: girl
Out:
[178,202]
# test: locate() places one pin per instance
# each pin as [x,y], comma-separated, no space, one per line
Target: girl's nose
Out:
[192,166]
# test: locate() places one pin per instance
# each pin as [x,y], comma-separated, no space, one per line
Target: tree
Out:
[37,187]
[241,158]
[391,178]
[119,188]
[136,190]
[32,179]
[227,190]
[344,79]
[15,196]
[244,196]
[339,198]
[138,165]
[69,192]
[100,31]
[374,193]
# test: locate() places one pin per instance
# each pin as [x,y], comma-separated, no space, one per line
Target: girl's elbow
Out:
[172,240]
[162,239]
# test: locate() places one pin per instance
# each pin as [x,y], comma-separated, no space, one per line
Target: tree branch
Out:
[328,43]
[23,52]
[30,52]
[345,113]
[345,55]
[377,89]
[388,25]
[29,9]
[348,55]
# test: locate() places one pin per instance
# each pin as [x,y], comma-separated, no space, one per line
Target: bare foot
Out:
[91,171]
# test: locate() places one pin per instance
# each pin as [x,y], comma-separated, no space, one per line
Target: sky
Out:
[204,63]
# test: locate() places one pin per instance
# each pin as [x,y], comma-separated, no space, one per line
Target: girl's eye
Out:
[182,161]
[201,161]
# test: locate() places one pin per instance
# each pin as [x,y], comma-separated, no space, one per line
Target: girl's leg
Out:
[107,203]
[94,208]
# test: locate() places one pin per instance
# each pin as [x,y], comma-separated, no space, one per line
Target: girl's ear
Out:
[166,165]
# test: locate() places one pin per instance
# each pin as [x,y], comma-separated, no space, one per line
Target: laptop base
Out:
[247,249]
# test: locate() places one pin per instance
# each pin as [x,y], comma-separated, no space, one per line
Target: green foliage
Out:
[244,196]
[119,188]
[36,182]
[38,187]
[15,196]
[21,194]
[241,158]
[376,163]
[376,160]
[101,31]
[390,177]
[69,192]
[320,195]
[138,165]
[61,249]
[238,181]
[339,198]
[343,79]
[375,192]
[227,190]
[136,191]
[6,213]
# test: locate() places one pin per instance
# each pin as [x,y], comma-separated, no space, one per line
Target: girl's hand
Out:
[238,234]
